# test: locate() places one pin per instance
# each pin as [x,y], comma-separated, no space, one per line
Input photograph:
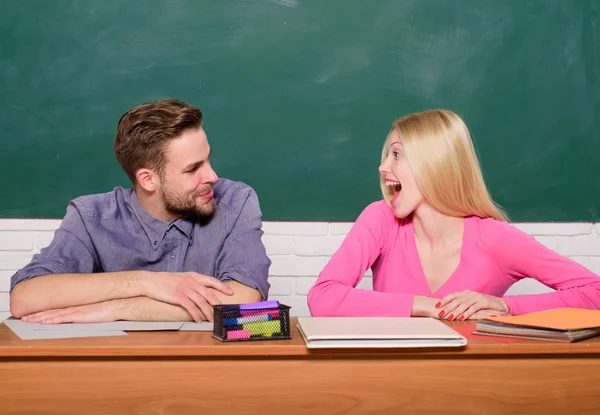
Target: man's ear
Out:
[147,179]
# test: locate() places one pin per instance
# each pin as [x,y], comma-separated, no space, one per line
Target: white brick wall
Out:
[299,250]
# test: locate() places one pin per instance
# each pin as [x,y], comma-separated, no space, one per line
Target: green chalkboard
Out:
[298,95]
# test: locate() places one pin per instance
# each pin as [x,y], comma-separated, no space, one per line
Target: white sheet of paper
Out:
[203,326]
[28,333]
[53,334]
[34,331]
[113,325]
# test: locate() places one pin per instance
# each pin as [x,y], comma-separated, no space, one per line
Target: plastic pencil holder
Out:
[232,323]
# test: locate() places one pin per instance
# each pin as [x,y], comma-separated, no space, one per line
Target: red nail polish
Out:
[438,304]
[461,318]
[441,313]
[451,317]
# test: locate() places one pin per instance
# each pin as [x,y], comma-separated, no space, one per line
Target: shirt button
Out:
[172,256]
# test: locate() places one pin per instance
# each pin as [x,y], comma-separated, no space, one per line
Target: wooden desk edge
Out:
[201,345]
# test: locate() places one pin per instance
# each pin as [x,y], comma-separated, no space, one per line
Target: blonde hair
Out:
[440,153]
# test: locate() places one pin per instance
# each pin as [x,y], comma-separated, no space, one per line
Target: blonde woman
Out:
[438,245]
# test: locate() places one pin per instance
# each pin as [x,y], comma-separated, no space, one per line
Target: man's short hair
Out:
[144,131]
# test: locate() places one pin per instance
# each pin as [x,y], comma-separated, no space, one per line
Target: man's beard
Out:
[184,204]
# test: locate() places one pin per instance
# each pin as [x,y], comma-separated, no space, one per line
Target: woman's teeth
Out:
[395,185]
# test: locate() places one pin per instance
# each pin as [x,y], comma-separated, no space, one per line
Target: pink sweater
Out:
[494,256]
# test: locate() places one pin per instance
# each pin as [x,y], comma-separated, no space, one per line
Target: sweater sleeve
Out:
[335,293]
[521,256]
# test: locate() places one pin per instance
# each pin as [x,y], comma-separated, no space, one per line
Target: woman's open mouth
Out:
[396,187]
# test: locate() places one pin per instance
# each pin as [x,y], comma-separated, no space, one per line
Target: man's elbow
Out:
[18,302]
[24,298]
[242,294]
[249,295]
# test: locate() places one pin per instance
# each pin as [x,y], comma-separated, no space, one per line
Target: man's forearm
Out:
[148,309]
[66,290]
[60,291]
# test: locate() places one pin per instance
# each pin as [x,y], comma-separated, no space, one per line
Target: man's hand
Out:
[464,305]
[89,313]
[190,290]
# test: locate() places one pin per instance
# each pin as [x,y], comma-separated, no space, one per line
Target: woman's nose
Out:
[383,168]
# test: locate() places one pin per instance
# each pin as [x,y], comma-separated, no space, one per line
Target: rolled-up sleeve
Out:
[71,251]
[243,257]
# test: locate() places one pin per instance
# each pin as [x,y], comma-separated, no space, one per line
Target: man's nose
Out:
[211,175]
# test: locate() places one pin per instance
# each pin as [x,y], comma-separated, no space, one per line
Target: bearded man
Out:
[168,249]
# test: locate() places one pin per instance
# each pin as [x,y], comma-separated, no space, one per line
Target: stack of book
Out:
[560,324]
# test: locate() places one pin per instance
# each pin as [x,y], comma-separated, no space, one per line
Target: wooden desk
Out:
[192,373]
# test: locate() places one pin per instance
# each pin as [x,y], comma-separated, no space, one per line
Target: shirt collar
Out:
[157,228]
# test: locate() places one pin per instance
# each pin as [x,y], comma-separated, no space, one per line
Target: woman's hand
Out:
[488,313]
[424,307]
[466,304]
